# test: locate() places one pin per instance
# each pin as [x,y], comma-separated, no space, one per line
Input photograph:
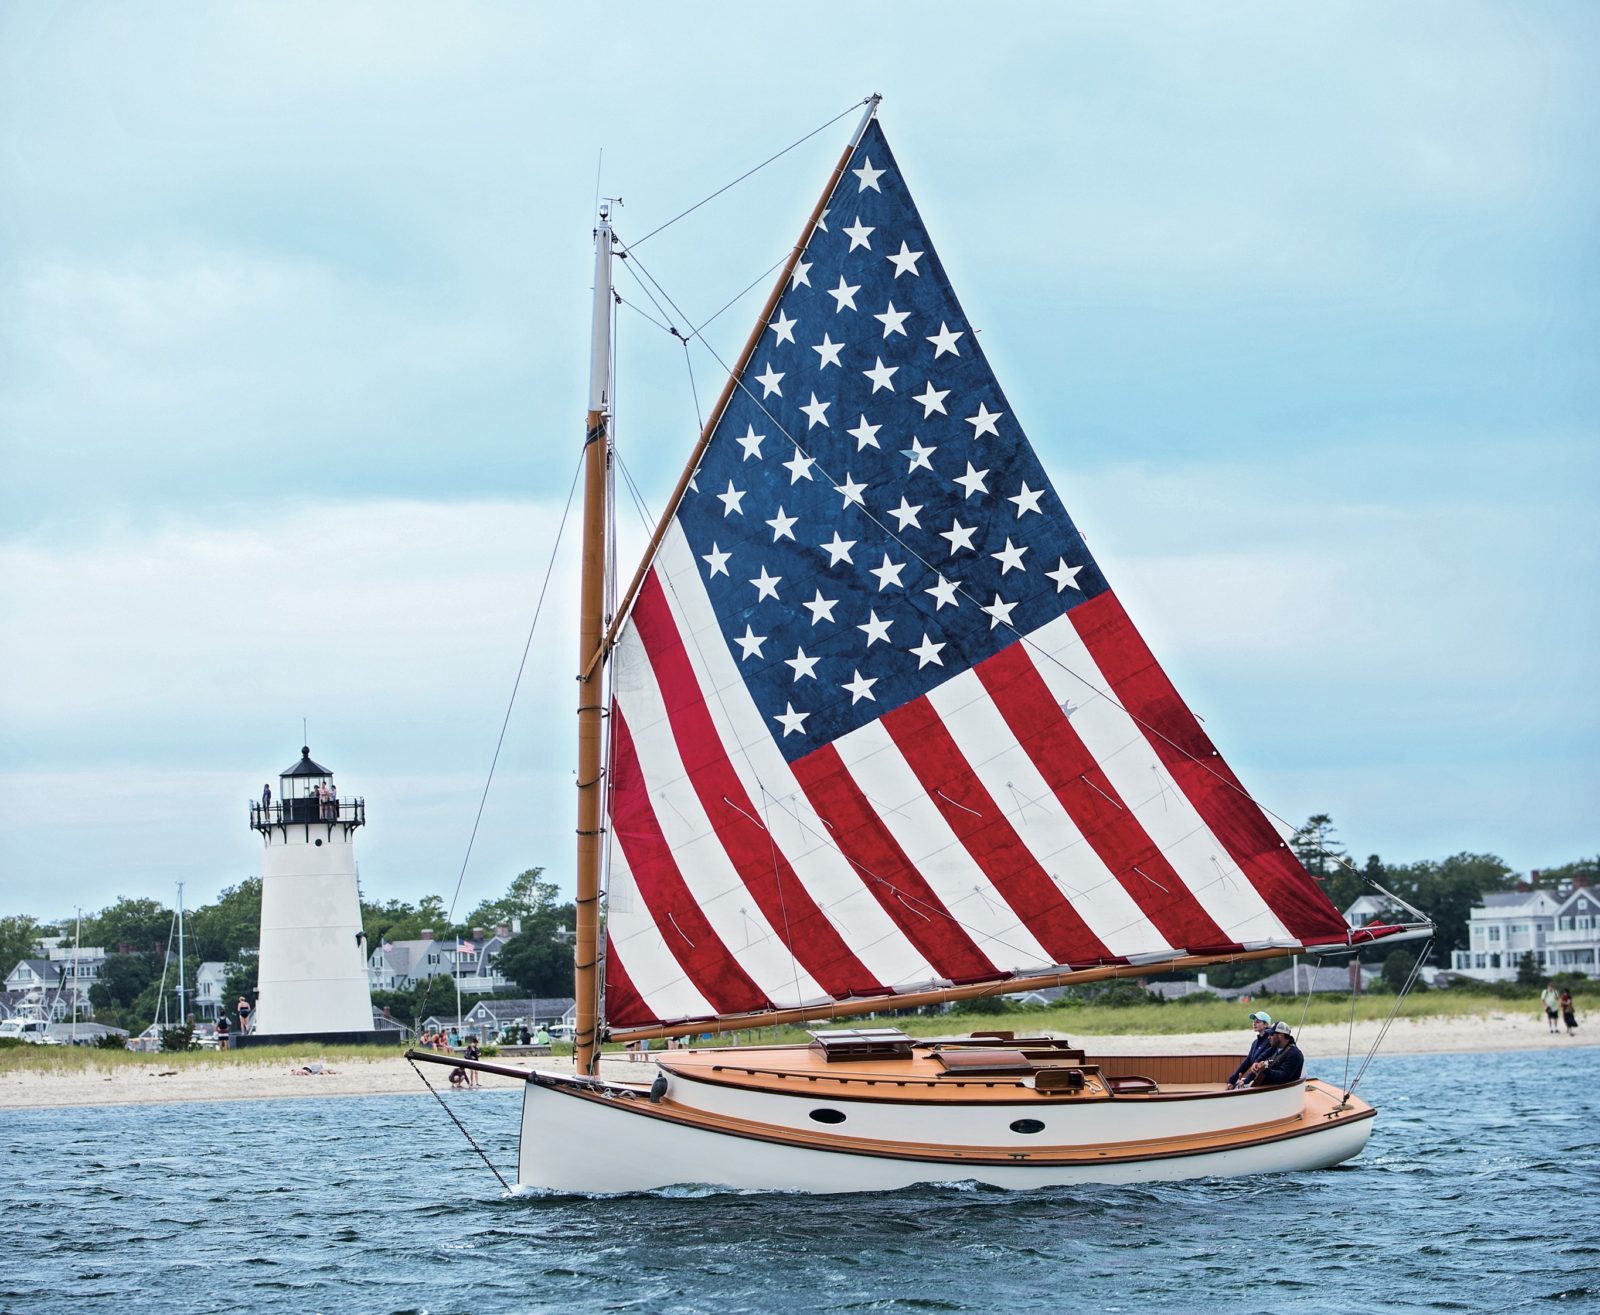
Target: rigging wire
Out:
[453,1119]
[1383,1031]
[850,109]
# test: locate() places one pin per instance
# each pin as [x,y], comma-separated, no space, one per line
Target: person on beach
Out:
[1569,1013]
[472,1053]
[1552,1003]
[222,1031]
[243,1010]
[1260,1047]
[1284,1065]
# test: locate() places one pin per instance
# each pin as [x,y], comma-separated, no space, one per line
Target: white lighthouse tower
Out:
[312,982]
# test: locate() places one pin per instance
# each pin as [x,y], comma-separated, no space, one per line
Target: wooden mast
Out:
[594,640]
[591,625]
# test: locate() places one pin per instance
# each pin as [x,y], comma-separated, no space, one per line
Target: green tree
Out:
[123,979]
[539,958]
[1323,855]
[1528,970]
[1446,890]
[1397,966]
[19,935]
[138,924]
[528,894]
[221,931]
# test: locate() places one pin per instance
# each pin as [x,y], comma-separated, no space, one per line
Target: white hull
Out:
[574,1144]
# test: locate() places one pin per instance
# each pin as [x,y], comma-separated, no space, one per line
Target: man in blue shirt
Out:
[1260,1047]
[1284,1065]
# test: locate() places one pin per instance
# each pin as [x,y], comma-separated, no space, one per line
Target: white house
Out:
[208,982]
[400,965]
[1561,931]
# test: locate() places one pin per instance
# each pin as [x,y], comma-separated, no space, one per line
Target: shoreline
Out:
[158,1083]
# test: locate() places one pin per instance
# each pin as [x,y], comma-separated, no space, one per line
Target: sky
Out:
[1297,303]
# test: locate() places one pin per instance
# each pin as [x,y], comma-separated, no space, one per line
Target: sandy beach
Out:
[158,1082]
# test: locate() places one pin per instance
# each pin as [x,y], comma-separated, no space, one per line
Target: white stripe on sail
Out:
[882,774]
[1036,814]
[1161,808]
[636,940]
[718,890]
[799,834]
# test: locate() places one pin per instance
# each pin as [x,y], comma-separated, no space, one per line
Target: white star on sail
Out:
[860,687]
[927,651]
[865,434]
[783,527]
[838,550]
[960,536]
[999,612]
[918,454]
[1009,557]
[751,442]
[769,382]
[869,176]
[829,351]
[803,666]
[932,400]
[906,261]
[731,500]
[822,219]
[1066,577]
[783,326]
[821,608]
[893,320]
[766,585]
[875,629]
[888,574]
[983,422]
[858,234]
[851,491]
[972,481]
[799,467]
[1027,500]
[750,642]
[944,592]
[791,720]
[801,275]
[882,375]
[817,413]
[906,514]
[844,294]
[718,561]
[945,340]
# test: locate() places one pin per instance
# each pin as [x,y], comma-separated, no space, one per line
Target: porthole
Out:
[827,1116]
[1027,1126]
[319,844]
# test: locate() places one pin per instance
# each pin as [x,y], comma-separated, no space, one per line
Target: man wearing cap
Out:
[1284,1065]
[1260,1047]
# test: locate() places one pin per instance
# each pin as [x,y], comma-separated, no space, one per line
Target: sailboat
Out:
[869,731]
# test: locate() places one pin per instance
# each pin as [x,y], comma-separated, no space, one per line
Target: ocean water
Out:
[1480,1191]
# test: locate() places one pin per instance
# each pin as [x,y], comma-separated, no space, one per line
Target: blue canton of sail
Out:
[869,517]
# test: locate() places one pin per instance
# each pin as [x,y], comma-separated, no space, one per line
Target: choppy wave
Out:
[1477,1192]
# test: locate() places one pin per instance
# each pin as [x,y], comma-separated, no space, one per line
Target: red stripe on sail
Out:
[625,1007]
[863,839]
[705,960]
[790,911]
[1091,801]
[1142,687]
[972,813]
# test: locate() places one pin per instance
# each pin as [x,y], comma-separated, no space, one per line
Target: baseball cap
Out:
[1261,1016]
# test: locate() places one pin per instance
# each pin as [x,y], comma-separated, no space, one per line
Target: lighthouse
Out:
[312,982]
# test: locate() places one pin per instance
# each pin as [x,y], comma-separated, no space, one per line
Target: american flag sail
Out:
[879,724]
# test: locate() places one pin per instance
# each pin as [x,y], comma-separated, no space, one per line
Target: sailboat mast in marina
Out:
[870,730]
